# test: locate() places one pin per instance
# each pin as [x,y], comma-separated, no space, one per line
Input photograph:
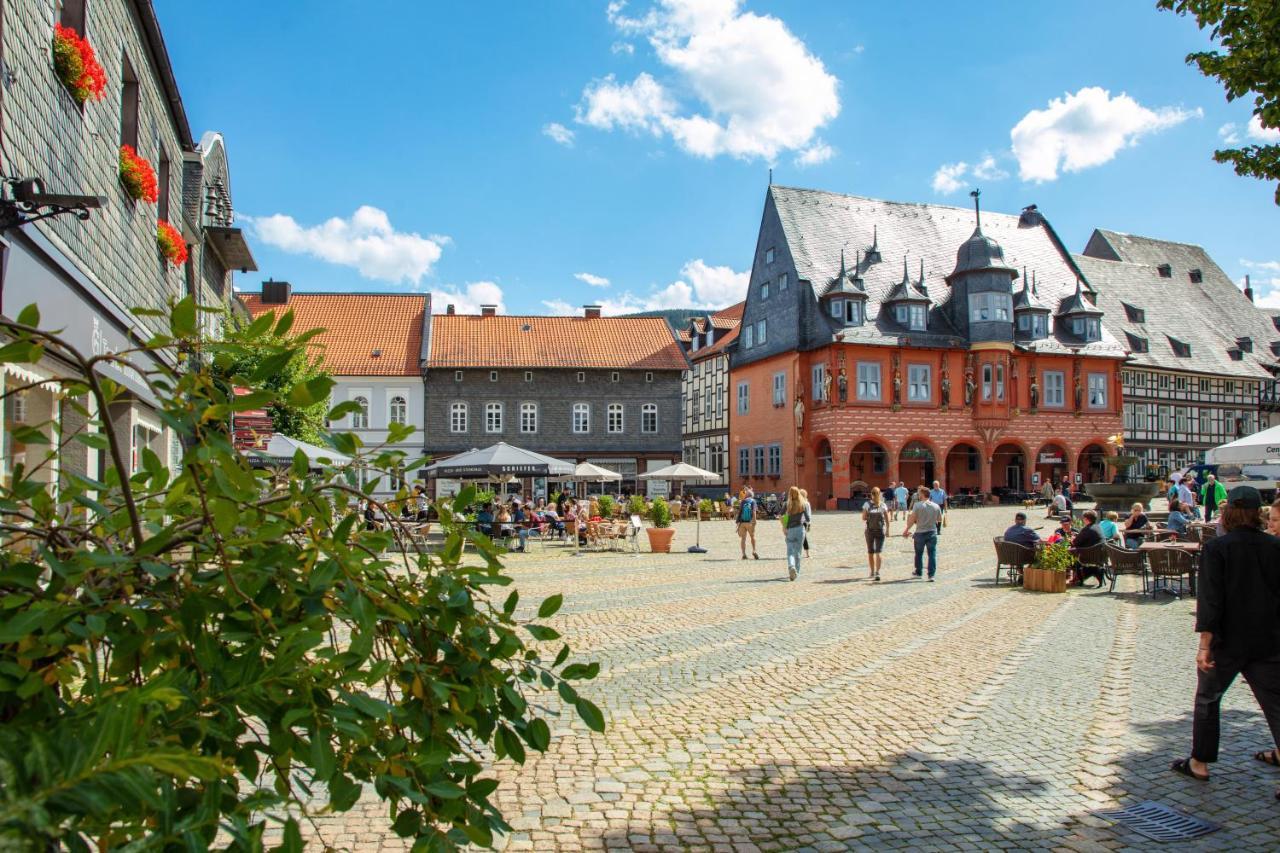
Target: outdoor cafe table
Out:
[1192,548]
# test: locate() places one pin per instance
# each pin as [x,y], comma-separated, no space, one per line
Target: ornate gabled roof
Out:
[1028,299]
[979,252]
[1078,304]
[908,290]
[847,285]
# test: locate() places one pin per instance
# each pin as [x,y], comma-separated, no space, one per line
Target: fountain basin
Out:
[1121,496]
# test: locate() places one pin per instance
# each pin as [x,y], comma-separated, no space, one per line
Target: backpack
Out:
[746,511]
[875,519]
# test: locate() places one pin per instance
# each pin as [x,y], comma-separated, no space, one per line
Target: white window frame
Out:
[394,394]
[457,376]
[783,282]
[459,417]
[761,332]
[744,398]
[615,422]
[1098,383]
[747,333]
[492,425]
[919,383]
[361,396]
[528,418]
[780,388]
[817,375]
[869,381]
[581,415]
[990,307]
[853,312]
[1055,392]
[769,255]
[999,382]
[837,309]
[764,290]
[493,376]
[649,418]
[988,381]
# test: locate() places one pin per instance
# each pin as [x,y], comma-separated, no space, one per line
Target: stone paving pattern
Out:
[748,713]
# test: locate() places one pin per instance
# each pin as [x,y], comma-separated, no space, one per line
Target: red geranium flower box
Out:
[171,244]
[138,177]
[77,65]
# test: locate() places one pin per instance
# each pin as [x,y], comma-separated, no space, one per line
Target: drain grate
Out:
[1159,822]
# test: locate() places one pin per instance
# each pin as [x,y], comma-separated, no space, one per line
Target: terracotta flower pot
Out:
[660,539]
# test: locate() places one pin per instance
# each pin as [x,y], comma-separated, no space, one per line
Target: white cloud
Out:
[593,280]
[761,90]
[1268,266]
[468,299]
[1262,134]
[623,47]
[366,242]
[1265,279]
[559,133]
[700,286]
[947,179]
[988,169]
[818,152]
[1085,129]
[1229,133]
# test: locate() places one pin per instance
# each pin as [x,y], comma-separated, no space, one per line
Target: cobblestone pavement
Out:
[750,713]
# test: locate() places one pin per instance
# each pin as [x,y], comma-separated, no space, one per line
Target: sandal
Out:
[1183,766]
[1268,756]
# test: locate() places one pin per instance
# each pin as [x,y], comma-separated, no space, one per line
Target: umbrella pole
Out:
[697,548]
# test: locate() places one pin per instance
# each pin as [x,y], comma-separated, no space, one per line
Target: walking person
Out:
[939,496]
[1211,497]
[1047,494]
[793,530]
[1237,599]
[925,516]
[875,513]
[808,519]
[1186,496]
[900,497]
[746,517]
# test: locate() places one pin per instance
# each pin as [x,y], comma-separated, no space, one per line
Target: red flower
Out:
[138,176]
[171,244]
[77,65]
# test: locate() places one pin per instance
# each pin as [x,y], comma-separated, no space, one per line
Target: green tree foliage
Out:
[267,340]
[218,645]
[1248,65]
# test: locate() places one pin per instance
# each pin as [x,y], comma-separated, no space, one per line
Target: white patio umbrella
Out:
[281,448]
[1260,448]
[683,472]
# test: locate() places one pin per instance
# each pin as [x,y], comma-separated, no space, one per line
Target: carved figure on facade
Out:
[842,384]
[946,385]
[1035,395]
[826,386]
[799,412]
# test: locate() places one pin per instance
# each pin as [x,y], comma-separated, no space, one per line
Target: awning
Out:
[281,448]
[500,460]
[27,376]
[1257,449]
[681,472]
[229,244]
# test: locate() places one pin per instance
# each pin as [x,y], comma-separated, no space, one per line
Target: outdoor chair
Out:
[1094,557]
[1205,532]
[726,512]
[1168,565]
[1013,558]
[1122,561]
[677,510]
[715,509]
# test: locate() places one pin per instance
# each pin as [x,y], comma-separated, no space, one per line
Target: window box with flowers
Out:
[171,244]
[77,65]
[138,176]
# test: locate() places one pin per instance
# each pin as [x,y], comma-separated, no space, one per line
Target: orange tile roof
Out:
[356,324]
[730,317]
[638,343]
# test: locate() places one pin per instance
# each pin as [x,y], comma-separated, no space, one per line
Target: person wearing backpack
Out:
[747,521]
[875,513]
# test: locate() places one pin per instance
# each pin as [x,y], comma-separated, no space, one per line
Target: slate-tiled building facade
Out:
[911,345]
[1202,356]
[705,393]
[87,275]
[588,388]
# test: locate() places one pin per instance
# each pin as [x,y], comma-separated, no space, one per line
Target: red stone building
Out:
[975,357]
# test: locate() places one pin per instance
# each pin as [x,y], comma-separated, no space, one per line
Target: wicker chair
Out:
[1168,564]
[1094,557]
[1122,561]
[1013,558]
[1204,534]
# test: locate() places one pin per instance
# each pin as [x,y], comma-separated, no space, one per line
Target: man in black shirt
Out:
[1088,536]
[1238,619]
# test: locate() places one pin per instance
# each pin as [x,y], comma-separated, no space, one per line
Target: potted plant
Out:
[706,508]
[660,533]
[607,506]
[137,176]
[1049,572]
[77,65]
[171,244]
[636,506]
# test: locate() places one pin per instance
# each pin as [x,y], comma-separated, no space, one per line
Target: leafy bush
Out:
[636,505]
[660,513]
[607,506]
[1056,557]
[706,507]
[189,647]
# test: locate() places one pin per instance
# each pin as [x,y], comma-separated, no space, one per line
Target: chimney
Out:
[1248,289]
[275,292]
[449,310]
[488,310]
[591,312]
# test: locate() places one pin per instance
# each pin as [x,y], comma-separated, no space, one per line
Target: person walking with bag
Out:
[1237,599]
[925,516]
[793,530]
[808,519]
[875,513]
[746,518]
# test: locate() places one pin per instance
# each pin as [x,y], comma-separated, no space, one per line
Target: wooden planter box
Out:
[1043,580]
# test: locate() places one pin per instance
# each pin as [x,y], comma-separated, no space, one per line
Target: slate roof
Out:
[819,224]
[356,325]
[502,340]
[1210,315]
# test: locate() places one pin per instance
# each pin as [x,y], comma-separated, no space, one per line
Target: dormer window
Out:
[847,311]
[1180,348]
[1137,343]
[1196,276]
[1035,326]
[1087,328]
[1165,271]
[989,307]
[911,316]
[1135,314]
[1235,354]
[1245,344]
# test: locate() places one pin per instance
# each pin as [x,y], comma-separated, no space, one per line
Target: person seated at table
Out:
[421,512]
[1020,533]
[1109,527]
[1178,520]
[593,510]
[1064,533]
[521,521]
[502,520]
[1087,537]
[1136,520]
[371,520]
[484,520]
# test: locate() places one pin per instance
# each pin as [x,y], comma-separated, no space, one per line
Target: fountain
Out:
[1120,493]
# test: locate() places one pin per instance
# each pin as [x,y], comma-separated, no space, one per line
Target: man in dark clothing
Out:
[1020,533]
[1237,600]
[1088,536]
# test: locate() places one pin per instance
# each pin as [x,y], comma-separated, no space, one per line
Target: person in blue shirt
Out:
[484,520]
[1177,521]
[939,496]
[1020,533]
[1108,527]
[901,498]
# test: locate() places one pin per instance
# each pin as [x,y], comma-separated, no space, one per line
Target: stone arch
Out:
[1052,461]
[824,468]
[961,468]
[870,464]
[1011,465]
[1089,461]
[917,461]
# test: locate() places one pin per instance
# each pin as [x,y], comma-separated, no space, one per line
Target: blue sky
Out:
[515,152]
